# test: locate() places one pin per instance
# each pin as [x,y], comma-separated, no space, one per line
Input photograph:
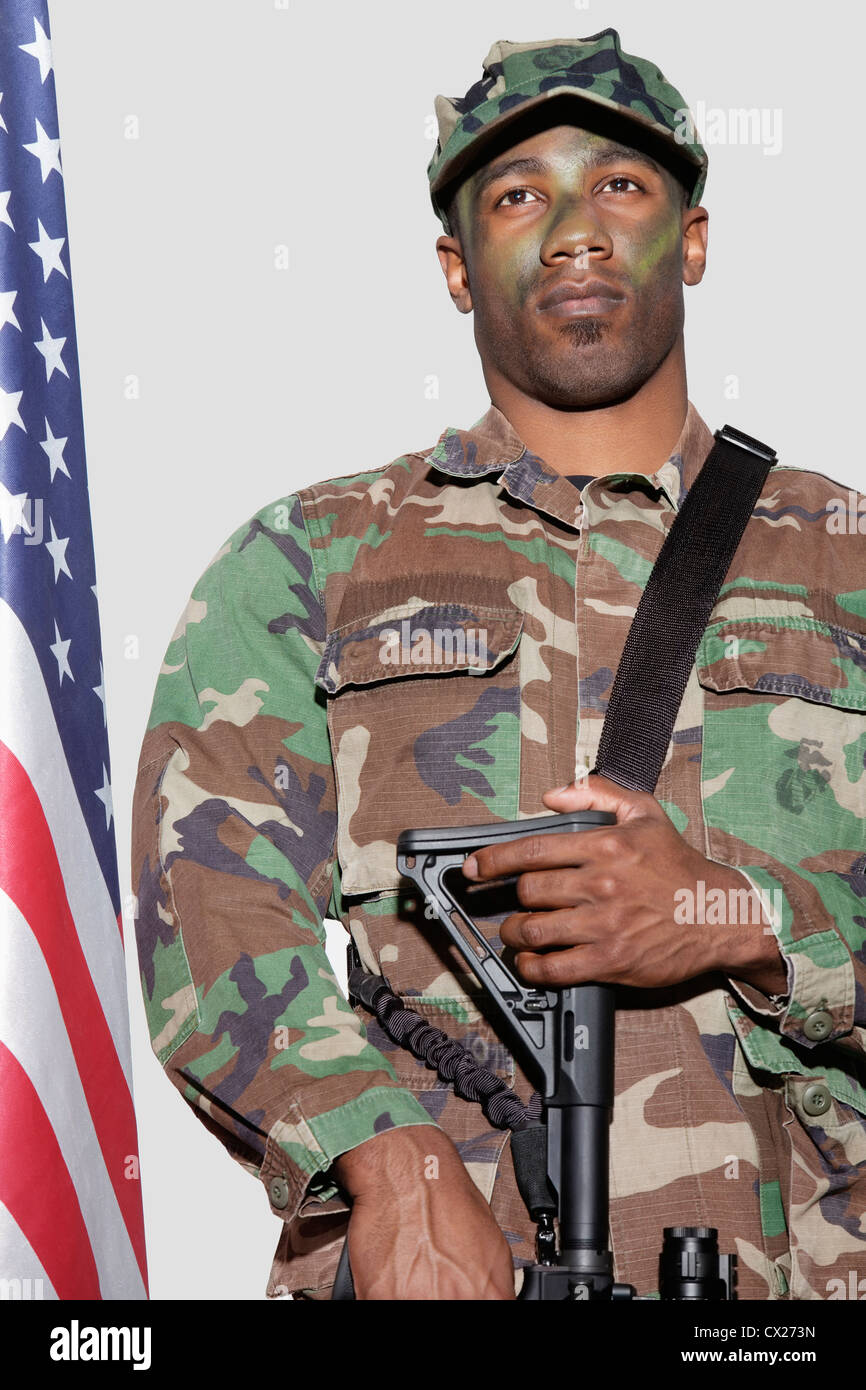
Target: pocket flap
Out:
[418,638]
[794,655]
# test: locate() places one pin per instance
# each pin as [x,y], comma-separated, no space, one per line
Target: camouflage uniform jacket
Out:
[292,737]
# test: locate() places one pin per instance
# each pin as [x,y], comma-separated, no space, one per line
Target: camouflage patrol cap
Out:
[521,76]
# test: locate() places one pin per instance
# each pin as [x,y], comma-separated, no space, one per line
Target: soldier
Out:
[433,642]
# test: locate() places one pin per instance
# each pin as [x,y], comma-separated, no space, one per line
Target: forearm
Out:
[757,961]
[748,950]
[420,1228]
[398,1160]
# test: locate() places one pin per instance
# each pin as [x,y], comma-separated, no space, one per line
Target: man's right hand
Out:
[420,1228]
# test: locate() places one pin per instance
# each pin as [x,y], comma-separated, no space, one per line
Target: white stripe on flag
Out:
[23,1276]
[32,1027]
[28,728]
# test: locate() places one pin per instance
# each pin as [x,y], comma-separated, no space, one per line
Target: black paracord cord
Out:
[502,1106]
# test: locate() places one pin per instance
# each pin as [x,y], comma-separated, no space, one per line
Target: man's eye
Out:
[510,194]
[621,178]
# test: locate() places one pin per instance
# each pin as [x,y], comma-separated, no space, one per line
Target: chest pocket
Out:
[424,720]
[784,739]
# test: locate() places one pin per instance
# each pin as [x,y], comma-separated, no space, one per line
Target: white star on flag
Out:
[54,449]
[48,250]
[12,513]
[56,548]
[51,349]
[104,794]
[9,402]
[4,208]
[100,691]
[7,313]
[60,650]
[40,48]
[2,122]
[47,150]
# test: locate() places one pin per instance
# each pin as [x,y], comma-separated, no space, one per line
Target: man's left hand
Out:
[601,902]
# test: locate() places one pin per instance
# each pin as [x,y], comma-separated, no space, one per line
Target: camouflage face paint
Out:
[659,249]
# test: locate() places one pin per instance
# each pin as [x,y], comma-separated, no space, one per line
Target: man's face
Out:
[583,209]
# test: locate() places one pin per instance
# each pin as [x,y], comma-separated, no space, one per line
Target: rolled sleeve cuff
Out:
[300,1150]
[820,999]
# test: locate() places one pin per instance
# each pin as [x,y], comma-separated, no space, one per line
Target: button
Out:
[480,1049]
[816,1099]
[278,1191]
[818,1025]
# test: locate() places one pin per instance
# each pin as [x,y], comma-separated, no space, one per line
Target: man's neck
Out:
[635,435]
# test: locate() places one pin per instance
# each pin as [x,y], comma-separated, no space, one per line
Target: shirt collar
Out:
[492,445]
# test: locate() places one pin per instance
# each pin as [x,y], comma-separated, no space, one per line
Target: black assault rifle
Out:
[564,1041]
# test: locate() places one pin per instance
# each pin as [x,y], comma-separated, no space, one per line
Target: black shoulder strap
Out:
[675,608]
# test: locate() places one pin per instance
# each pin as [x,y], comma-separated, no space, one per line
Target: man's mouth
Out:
[570,298]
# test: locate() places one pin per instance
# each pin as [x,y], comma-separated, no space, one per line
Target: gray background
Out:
[309,126]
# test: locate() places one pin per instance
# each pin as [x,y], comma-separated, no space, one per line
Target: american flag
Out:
[71,1221]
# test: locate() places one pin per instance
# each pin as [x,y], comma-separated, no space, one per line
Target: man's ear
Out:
[695,228]
[451,259]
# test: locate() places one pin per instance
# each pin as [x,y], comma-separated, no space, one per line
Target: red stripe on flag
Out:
[30,874]
[36,1187]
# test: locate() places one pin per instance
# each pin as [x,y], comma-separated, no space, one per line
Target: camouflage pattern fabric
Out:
[518,77]
[433,642]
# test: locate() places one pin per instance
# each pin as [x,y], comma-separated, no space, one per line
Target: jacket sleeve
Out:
[233,833]
[819,920]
